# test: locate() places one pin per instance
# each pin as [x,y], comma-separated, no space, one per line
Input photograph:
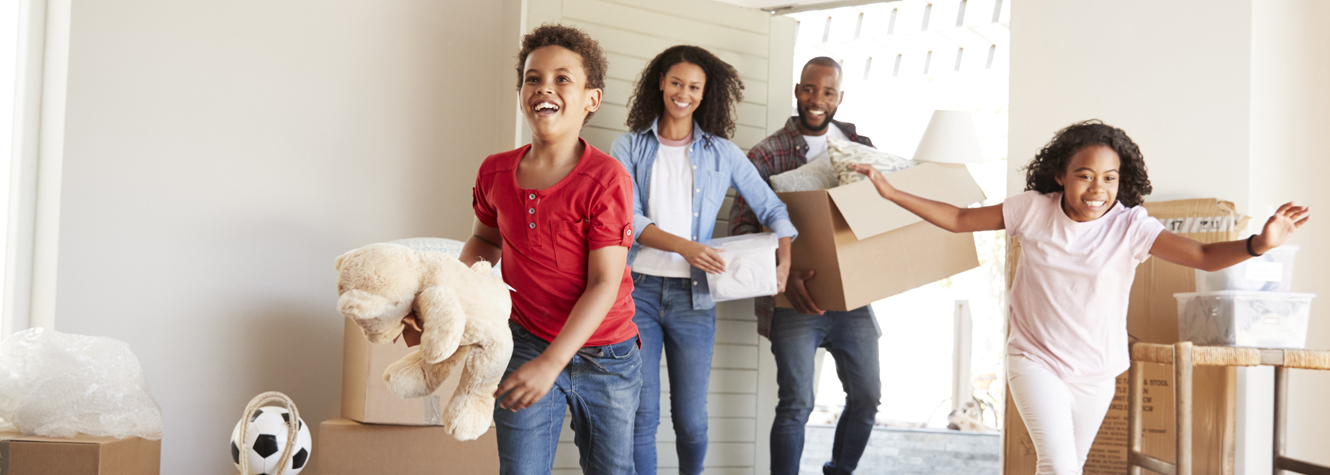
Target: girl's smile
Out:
[1090,183]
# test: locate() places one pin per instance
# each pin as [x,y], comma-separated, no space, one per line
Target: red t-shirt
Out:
[548,234]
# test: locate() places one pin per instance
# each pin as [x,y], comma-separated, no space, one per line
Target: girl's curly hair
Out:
[574,39]
[1052,160]
[724,89]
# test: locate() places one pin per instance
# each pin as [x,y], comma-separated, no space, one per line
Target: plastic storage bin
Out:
[1272,272]
[1239,318]
[750,267]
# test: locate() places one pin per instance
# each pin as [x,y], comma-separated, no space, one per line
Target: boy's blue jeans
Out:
[851,338]
[599,386]
[666,319]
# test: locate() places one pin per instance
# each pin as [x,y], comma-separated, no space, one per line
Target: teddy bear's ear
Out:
[337,263]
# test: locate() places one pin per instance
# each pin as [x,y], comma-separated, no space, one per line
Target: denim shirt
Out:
[717,166]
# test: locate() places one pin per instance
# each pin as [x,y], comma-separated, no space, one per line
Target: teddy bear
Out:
[463,312]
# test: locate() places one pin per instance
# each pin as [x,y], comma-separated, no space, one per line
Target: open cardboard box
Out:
[348,447]
[863,248]
[81,455]
[1152,316]
[365,396]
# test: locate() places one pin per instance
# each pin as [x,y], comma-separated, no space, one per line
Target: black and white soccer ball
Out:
[266,438]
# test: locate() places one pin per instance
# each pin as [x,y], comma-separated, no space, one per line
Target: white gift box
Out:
[750,267]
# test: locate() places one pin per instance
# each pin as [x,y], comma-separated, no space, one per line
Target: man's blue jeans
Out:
[665,318]
[851,338]
[599,386]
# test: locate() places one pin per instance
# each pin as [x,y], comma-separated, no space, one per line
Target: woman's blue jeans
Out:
[666,320]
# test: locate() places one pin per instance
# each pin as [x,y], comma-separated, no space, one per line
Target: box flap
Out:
[868,214]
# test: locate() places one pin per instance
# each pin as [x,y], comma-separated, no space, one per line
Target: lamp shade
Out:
[950,138]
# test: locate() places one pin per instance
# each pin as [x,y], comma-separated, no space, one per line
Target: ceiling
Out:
[795,5]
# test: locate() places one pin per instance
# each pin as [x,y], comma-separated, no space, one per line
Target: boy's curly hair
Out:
[1052,160]
[575,40]
[722,91]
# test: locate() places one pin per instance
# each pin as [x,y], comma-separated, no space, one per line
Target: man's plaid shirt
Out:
[781,152]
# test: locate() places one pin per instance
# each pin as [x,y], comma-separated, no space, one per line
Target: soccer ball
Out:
[266,439]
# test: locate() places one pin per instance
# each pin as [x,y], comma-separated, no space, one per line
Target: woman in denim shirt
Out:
[680,114]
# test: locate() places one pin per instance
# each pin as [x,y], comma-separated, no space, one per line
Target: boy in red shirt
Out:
[560,214]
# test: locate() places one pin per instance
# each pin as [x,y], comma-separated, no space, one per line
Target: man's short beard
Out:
[803,120]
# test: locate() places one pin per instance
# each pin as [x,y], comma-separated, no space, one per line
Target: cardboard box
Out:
[365,396]
[81,455]
[863,248]
[350,448]
[1152,316]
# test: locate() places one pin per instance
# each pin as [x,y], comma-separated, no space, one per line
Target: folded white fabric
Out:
[750,267]
[814,175]
[844,153]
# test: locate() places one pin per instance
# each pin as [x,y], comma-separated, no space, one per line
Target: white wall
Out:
[1174,75]
[1227,100]
[1290,105]
[760,46]
[219,155]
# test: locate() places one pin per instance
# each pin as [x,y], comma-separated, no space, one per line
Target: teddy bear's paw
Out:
[406,378]
[468,418]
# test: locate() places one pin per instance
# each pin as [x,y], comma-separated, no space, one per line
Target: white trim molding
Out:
[32,228]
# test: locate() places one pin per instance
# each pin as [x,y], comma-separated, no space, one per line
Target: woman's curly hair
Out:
[1133,182]
[723,90]
[575,40]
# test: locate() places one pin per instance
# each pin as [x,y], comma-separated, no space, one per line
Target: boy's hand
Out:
[1280,226]
[411,334]
[703,257]
[528,384]
[880,182]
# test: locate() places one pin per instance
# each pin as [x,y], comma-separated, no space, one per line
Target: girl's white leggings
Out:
[1062,417]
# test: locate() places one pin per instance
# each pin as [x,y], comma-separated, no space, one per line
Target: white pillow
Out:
[814,175]
[844,153]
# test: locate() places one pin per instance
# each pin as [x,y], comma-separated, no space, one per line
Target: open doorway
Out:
[902,60]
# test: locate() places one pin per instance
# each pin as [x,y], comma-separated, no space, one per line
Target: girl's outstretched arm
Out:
[942,215]
[1215,256]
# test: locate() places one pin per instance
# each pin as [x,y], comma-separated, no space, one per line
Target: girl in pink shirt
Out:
[1082,235]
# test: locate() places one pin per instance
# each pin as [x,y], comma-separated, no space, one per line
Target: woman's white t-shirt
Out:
[670,207]
[1068,299]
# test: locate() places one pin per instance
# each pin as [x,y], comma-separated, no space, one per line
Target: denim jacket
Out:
[718,165]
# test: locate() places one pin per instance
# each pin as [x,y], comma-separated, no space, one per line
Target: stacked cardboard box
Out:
[81,455]
[381,433]
[1152,317]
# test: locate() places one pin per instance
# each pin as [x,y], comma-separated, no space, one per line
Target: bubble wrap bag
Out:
[58,385]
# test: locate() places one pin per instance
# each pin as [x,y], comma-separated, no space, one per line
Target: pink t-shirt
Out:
[1069,298]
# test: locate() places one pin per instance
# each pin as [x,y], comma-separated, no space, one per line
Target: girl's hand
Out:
[782,274]
[880,182]
[528,384]
[703,257]
[1280,226]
